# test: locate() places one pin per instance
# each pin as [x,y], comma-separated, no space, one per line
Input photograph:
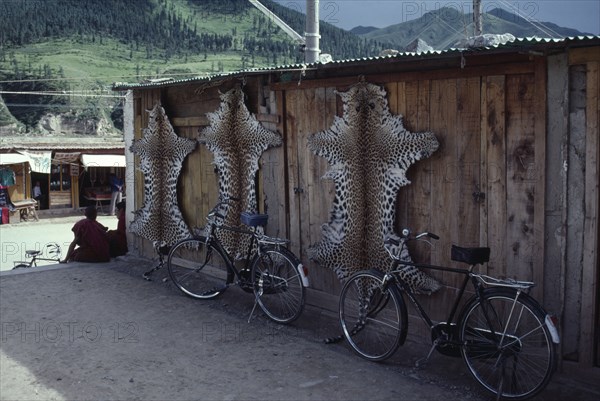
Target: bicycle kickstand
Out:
[422,361]
[253,309]
[161,263]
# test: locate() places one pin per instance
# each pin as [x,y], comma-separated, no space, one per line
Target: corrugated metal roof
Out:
[40,143]
[509,46]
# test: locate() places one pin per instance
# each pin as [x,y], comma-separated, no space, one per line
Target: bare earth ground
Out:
[101,332]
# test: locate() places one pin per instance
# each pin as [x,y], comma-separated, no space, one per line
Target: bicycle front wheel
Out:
[506,344]
[197,269]
[277,284]
[373,317]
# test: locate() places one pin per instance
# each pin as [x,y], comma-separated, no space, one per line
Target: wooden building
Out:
[65,167]
[517,168]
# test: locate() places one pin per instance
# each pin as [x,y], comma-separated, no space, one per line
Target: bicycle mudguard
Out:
[471,256]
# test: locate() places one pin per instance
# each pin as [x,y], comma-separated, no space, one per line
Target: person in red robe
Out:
[91,240]
[118,238]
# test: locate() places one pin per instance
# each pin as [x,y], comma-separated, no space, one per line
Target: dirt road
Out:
[101,332]
[94,332]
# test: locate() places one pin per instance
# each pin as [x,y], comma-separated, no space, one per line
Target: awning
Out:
[66,157]
[103,160]
[38,161]
[13,158]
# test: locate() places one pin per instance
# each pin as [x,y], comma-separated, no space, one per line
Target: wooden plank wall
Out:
[590,300]
[144,101]
[309,111]
[491,125]
[587,327]
[487,126]
[187,107]
[492,115]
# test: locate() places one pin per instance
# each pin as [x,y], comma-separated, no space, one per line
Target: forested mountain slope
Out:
[80,47]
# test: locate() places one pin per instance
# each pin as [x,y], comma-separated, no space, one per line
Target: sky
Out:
[583,15]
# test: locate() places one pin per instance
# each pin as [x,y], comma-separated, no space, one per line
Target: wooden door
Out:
[308,111]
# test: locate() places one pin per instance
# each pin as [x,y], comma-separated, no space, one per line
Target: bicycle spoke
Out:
[373,320]
[514,357]
[197,269]
[277,284]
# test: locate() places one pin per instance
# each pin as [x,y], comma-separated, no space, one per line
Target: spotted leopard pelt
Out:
[161,154]
[369,152]
[237,140]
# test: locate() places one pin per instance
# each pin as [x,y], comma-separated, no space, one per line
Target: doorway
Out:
[44,181]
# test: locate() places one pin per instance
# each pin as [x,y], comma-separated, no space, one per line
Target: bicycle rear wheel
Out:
[197,269]
[374,319]
[515,357]
[277,284]
[21,265]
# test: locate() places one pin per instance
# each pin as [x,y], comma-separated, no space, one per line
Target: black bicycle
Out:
[202,268]
[505,337]
[50,253]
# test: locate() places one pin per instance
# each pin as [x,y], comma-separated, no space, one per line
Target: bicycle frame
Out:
[501,332]
[256,240]
[212,239]
[205,265]
[393,277]
[35,257]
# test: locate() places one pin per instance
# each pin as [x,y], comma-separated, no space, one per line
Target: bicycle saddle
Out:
[253,219]
[470,256]
[32,252]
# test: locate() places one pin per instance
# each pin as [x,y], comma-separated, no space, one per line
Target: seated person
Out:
[91,238]
[118,238]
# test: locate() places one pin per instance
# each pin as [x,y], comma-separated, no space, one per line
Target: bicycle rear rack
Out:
[507,282]
[266,240]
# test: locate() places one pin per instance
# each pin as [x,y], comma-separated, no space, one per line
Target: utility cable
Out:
[57,94]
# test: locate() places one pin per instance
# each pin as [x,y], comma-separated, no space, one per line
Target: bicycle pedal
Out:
[334,340]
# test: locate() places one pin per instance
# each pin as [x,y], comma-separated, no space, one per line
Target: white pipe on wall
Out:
[312,50]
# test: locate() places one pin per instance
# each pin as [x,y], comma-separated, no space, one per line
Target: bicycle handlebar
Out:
[430,235]
[406,234]
[225,201]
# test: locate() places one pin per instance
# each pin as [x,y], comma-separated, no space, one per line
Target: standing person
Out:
[37,193]
[91,238]
[116,187]
[118,238]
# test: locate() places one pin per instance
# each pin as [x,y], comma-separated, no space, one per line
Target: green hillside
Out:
[82,46]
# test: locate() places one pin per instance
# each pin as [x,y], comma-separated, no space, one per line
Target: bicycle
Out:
[505,337]
[51,253]
[202,268]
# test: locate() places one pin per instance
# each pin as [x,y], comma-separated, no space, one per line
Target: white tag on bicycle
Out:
[553,331]
[302,275]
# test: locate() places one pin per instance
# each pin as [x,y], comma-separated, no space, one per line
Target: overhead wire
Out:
[87,79]
[54,105]
[42,93]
